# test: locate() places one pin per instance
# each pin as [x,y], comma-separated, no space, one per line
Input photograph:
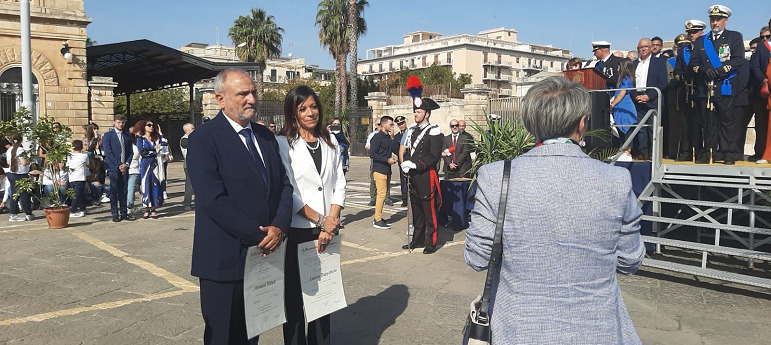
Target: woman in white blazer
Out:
[312,160]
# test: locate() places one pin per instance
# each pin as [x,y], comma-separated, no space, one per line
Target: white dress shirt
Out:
[641,73]
[238,128]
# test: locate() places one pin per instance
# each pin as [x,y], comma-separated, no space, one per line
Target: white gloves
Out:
[446,152]
[407,165]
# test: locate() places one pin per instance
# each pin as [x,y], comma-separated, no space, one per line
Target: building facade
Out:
[493,57]
[280,70]
[60,88]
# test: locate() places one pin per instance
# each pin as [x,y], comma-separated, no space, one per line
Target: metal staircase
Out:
[694,204]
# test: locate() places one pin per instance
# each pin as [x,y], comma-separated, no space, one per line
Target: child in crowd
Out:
[77,163]
[5,188]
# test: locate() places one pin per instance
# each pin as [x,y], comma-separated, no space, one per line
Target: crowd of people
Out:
[710,91]
[134,160]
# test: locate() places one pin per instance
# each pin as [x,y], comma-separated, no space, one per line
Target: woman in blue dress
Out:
[151,172]
[621,104]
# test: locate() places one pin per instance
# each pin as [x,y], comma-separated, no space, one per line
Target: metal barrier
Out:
[657,146]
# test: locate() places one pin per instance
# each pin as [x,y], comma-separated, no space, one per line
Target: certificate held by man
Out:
[320,277]
[264,290]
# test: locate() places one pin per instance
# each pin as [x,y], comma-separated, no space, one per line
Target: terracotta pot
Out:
[57,217]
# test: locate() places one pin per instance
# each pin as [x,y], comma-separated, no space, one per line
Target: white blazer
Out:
[318,190]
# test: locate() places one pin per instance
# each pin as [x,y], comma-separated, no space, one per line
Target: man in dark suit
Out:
[117,158]
[244,198]
[649,72]
[458,162]
[720,61]
[758,68]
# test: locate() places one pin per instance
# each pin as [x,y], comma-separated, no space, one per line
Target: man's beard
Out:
[244,117]
[716,29]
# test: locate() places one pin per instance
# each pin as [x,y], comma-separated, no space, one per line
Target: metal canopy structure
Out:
[144,65]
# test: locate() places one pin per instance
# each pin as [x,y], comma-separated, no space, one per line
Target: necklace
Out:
[313,149]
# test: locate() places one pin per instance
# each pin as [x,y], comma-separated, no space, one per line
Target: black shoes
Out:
[684,158]
[429,250]
[116,218]
[128,217]
[371,203]
[388,202]
[729,161]
[413,246]
[404,203]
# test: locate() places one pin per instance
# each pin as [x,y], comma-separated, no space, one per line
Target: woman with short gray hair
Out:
[571,224]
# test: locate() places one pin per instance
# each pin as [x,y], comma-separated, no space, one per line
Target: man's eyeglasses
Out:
[453,126]
[643,47]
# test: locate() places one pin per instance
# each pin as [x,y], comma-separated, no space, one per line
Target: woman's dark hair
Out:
[333,120]
[296,96]
[625,69]
[16,140]
[90,131]
[668,53]
[139,129]
[574,62]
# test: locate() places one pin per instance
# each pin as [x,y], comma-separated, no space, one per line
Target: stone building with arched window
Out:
[58,27]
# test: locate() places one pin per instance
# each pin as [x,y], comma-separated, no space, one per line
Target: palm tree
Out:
[357,27]
[332,19]
[257,38]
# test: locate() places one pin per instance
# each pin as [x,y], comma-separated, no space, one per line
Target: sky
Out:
[565,24]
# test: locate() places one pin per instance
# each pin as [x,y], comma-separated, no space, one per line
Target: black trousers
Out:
[729,122]
[708,129]
[294,328]
[424,219]
[222,307]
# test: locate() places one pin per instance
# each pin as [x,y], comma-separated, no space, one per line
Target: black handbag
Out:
[477,330]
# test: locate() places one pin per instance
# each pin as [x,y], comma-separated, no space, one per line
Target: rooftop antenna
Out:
[218,35]
[291,45]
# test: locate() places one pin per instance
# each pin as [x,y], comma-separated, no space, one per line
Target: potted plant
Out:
[51,146]
[502,140]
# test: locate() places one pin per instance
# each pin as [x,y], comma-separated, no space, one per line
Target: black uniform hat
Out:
[425,103]
[400,119]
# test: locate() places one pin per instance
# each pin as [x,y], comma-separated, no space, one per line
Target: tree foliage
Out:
[257,38]
[154,102]
[332,20]
[355,18]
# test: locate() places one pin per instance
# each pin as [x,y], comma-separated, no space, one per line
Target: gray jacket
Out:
[571,223]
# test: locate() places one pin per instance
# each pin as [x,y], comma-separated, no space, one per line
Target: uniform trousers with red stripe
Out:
[424,215]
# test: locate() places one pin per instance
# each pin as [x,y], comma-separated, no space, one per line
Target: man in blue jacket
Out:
[244,198]
[117,158]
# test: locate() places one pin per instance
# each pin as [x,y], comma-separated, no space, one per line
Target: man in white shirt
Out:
[188,201]
[649,72]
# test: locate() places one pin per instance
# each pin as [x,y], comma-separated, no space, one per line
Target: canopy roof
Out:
[145,65]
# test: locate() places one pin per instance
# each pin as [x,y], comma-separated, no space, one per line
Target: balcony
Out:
[497,77]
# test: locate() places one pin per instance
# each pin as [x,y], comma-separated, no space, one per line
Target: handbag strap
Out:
[494,267]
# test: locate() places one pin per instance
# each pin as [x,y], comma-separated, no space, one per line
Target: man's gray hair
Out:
[553,107]
[219,80]
[187,126]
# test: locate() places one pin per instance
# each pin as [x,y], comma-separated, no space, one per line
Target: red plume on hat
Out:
[414,87]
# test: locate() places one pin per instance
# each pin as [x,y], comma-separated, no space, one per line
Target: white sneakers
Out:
[77,214]
[105,198]
[21,218]
[761,161]
[17,218]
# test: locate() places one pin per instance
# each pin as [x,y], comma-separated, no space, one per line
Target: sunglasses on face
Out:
[766,37]
[149,125]
[453,126]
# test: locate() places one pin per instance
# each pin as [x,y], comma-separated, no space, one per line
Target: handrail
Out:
[656,145]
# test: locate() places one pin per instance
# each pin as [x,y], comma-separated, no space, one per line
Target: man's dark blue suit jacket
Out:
[657,77]
[232,201]
[111,147]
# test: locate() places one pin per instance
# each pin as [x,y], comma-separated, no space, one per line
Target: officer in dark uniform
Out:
[680,144]
[607,63]
[720,61]
[422,152]
[401,122]
[692,141]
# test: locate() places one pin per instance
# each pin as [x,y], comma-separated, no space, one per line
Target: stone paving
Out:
[98,282]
